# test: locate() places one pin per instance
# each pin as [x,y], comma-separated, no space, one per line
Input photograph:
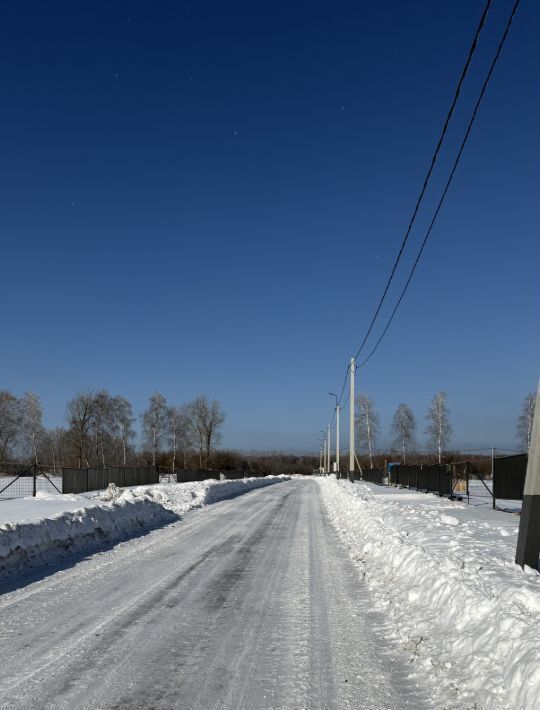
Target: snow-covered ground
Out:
[250,604]
[444,575]
[40,530]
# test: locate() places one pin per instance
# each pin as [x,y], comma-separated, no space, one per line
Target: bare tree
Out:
[367,425]
[32,430]
[525,420]
[178,432]
[123,424]
[10,422]
[102,426]
[186,436]
[439,430]
[153,421]
[404,430]
[79,416]
[53,447]
[206,420]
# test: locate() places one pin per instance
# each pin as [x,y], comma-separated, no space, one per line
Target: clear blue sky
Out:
[208,197]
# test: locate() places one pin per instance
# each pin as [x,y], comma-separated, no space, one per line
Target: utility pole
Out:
[323,444]
[337,431]
[493,478]
[528,544]
[337,439]
[352,370]
[328,449]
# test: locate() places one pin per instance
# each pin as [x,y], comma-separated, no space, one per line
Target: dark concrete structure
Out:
[528,546]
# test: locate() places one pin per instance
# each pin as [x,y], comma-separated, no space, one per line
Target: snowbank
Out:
[454,599]
[42,530]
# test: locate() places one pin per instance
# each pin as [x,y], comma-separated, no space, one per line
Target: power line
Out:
[428,175]
[344,384]
[340,395]
[450,178]
[457,92]
[443,196]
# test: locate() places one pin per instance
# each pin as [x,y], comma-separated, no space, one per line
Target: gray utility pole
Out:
[528,545]
[352,370]
[337,431]
[328,449]
[324,456]
[338,408]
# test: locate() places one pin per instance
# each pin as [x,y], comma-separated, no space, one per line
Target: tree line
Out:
[438,430]
[100,432]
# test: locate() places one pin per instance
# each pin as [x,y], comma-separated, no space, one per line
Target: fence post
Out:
[34,476]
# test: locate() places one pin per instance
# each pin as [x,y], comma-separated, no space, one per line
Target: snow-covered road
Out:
[248,604]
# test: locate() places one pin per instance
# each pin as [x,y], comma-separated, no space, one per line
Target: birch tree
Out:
[53,447]
[439,430]
[153,422]
[32,430]
[367,425]
[525,420]
[101,425]
[10,422]
[404,430]
[123,424]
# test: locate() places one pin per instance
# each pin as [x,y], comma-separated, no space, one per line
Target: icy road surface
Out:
[248,604]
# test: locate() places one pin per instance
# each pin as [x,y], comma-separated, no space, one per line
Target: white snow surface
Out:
[49,527]
[444,574]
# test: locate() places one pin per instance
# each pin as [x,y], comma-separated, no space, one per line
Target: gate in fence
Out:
[18,481]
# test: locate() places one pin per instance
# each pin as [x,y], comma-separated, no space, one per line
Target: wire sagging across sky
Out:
[425,184]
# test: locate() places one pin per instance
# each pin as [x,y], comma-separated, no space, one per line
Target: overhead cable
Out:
[449,181]
[464,71]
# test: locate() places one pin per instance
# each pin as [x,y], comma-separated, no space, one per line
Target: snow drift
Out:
[444,574]
[90,522]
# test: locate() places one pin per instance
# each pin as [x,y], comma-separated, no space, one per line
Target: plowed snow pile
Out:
[444,574]
[45,529]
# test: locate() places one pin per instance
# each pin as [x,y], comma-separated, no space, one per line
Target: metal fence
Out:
[23,481]
[458,480]
[509,477]
[82,480]
[189,475]
[374,475]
